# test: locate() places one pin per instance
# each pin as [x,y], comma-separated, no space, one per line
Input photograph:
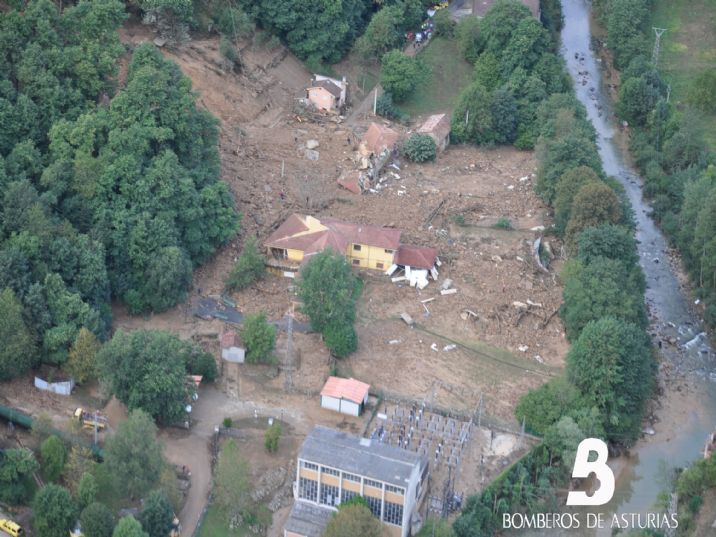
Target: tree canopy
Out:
[400,74]
[157,514]
[54,512]
[146,369]
[354,520]
[328,290]
[133,455]
[97,520]
[16,469]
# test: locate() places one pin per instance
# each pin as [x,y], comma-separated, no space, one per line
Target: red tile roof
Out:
[416,257]
[338,236]
[351,181]
[380,137]
[350,389]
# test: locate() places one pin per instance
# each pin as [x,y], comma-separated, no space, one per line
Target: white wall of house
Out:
[340,405]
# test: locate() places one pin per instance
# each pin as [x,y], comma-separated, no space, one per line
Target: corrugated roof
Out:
[308,519]
[361,456]
[379,137]
[351,389]
[416,256]
[382,237]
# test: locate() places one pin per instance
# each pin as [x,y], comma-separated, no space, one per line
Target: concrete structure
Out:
[64,387]
[230,350]
[481,7]
[327,93]
[334,466]
[347,396]
[437,127]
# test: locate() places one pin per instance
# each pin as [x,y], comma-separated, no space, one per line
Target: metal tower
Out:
[657,43]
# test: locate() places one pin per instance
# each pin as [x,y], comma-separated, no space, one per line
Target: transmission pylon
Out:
[657,43]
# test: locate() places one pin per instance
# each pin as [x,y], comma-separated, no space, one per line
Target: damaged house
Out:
[364,246]
[327,93]
[377,148]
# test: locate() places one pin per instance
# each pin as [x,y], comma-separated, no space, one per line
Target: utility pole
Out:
[657,43]
[375,100]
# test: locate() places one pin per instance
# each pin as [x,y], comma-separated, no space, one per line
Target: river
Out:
[687,408]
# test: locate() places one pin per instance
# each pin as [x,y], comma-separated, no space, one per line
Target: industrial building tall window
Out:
[329,495]
[356,247]
[329,471]
[393,513]
[373,505]
[308,489]
[346,495]
[351,477]
[395,490]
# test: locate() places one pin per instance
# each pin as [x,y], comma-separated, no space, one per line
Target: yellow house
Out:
[302,236]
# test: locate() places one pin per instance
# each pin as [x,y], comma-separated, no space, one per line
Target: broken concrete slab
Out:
[312,154]
[407,319]
[448,292]
[447,284]
[312,144]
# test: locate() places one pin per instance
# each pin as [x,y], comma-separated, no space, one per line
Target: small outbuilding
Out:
[347,396]
[437,127]
[230,350]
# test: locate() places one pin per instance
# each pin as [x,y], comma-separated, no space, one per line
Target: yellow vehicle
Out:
[90,420]
[11,528]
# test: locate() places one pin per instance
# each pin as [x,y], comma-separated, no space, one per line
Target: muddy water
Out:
[687,416]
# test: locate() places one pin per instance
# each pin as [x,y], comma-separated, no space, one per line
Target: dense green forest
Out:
[522,95]
[670,150]
[108,192]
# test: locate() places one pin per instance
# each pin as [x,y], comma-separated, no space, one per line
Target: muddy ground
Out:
[495,354]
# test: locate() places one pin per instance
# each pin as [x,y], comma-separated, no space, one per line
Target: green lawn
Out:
[687,48]
[449,74]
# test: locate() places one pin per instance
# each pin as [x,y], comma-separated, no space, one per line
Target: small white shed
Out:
[230,350]
[347,396]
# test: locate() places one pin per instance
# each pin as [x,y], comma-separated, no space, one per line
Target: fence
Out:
[60,388]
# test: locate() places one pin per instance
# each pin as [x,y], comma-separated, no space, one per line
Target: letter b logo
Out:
[582,468]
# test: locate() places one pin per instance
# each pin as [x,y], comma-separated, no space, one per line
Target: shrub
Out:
[259,337]
[385,107]
[444,24]
[53,455]
[702,93]
[272,437]
[467,33]
[503,223]
[420,148]
[249,268]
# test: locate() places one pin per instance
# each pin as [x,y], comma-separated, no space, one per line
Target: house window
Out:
[379,265]
[395,490]
[329,471]
[393,513]
[371,483]
[373,505]
[352,477]
[347,495]
[356,247]
[279,253]
[307,489]
[356,261]
[389,252]
[329,495]
[309,465]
